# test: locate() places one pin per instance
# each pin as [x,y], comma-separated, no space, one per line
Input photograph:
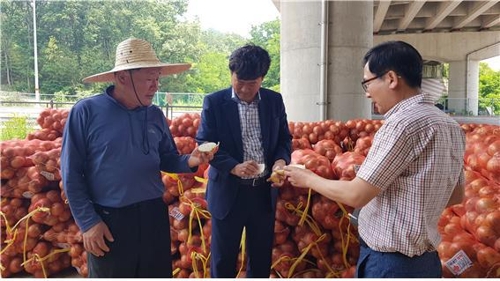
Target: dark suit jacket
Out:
[220,122]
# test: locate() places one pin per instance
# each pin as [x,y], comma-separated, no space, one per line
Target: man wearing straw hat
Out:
[114,146]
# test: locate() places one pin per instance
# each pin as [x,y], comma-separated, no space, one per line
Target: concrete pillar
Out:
[349,37]
[456,87]
[472,83]
[300,59]
[463,87]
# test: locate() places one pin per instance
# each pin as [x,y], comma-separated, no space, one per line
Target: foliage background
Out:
[76,39]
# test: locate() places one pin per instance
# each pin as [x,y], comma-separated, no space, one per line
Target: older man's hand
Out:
[93,239]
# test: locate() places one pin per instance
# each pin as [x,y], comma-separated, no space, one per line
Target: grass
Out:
[17,127]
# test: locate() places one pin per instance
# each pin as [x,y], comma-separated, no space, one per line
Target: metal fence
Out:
[24,104]
[31,109]
[19,118]
[470,107]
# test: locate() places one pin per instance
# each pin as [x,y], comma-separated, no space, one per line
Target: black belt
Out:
[252,182]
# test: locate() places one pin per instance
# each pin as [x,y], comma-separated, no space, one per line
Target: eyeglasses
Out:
[365,86]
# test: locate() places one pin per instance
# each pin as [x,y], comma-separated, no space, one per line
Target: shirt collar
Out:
[235,97]
[111,88]
[406,103]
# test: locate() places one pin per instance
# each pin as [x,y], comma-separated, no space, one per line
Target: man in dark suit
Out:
[251,126]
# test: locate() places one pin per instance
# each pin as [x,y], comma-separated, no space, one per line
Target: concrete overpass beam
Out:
[463,87]
[472,81]
[300,59]
[350,37]
[456,87]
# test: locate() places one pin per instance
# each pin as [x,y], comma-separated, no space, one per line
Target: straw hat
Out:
[136,53]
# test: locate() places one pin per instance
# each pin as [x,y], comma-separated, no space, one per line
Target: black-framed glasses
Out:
[365,86]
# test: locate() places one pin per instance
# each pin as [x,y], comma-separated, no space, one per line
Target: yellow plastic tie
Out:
[345,241]
[308,219]
[298,260]
[280,260]
[26,217]
[202,180]
[294,209]
[196,211]
[198,190]
[341,206]
[194,264]
[37,258]
[285,259]
[176,177]
[204,261]
[7,228]
[304,253]
[9,243]
[316,244]
[306,209]
[243,250]
[190,228]
[278,273]
[176,271]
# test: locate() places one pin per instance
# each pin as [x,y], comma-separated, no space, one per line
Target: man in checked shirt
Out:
[413,171]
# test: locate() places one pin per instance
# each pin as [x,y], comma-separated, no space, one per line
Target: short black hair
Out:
[399,57]
[249,62]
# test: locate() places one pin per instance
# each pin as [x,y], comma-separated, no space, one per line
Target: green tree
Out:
[58,67]
[76,39]
[215,41]
[210,70]
[154,21]
[489,89]
[16,53]
[212,73]
[183,46]
[267,35]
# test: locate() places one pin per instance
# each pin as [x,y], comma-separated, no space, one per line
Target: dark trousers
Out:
[373,264]
[141,246]
[253,211]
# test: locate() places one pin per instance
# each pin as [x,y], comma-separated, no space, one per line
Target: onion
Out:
[208,146]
